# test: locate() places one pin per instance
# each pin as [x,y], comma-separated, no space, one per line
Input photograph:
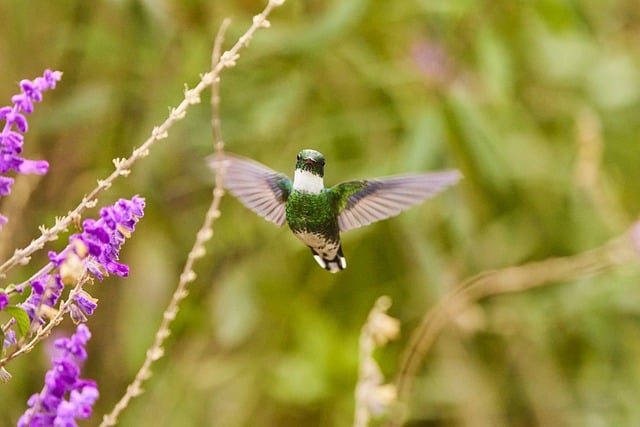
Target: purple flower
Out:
[86,303]
[45,291]
[39,167]
[4,301]
[74,346]
[10,338]
[79,405]
[11,138]
[5,185]
[65,396]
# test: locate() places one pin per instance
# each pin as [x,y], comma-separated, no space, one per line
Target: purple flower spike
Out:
[95,250]
[11,138]
[65,396]
[104,237]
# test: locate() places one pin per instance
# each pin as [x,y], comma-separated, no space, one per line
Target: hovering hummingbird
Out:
[316,214]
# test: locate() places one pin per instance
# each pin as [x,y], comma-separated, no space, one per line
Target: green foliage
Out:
[537,104]
[21,318]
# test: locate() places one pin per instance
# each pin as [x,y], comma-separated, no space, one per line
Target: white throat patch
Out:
[307,182]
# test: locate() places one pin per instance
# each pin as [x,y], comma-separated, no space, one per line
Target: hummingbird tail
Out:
[338,263]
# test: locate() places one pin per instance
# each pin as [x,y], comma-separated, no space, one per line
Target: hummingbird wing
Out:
[363,202]
[258,187]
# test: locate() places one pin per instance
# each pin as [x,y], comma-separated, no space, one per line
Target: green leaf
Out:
[22,318]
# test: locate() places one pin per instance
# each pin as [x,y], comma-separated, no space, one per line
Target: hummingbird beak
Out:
[309,161]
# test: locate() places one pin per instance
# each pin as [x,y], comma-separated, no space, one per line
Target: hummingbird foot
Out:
[337,263]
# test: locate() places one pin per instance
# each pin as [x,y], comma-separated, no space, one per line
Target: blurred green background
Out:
[537,102]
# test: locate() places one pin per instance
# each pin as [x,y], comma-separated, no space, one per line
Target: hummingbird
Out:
[316,215]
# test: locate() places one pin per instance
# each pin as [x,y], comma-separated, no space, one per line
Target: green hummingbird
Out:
[317,215]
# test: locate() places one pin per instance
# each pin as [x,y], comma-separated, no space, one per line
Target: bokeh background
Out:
[537,102]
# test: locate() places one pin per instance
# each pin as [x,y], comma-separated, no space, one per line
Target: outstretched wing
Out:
[258,187]
[366,201]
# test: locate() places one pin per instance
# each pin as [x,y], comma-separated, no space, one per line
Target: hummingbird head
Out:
[311,161]
[309,172]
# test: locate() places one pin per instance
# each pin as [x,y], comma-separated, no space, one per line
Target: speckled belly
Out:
[325,248]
